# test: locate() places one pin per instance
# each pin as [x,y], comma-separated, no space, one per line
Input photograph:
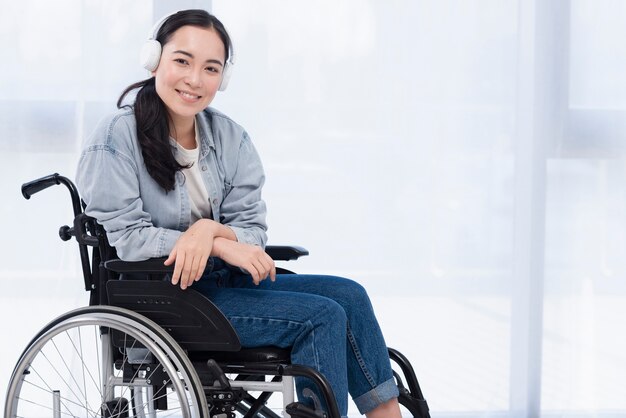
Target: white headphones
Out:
[150,54]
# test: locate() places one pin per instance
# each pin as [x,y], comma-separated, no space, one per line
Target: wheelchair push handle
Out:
[37,185]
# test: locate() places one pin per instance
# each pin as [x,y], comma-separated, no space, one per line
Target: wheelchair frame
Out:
[163,344]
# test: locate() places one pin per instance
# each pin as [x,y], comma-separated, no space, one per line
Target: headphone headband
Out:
[155,28]
[151,52]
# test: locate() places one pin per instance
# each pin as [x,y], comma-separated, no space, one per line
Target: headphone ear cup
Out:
[150,54]
[228,70]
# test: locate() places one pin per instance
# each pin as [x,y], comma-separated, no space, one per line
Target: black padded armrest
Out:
[155,265]
[152,265]
[285,252]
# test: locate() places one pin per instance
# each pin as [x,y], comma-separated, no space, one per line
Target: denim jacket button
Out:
[204,168]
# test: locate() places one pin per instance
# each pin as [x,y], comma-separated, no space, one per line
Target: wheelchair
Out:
[145,348]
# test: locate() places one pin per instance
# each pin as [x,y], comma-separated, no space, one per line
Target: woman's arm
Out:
[110,190]
[208,238]
[243,209]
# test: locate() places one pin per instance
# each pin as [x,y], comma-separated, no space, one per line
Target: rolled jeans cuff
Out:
[377,396]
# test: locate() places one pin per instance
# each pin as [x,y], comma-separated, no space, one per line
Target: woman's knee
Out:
[324,335]
[349,292]
[328,312]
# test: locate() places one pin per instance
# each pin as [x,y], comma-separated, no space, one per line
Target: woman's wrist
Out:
[224,231]
[220,246]
[215,229]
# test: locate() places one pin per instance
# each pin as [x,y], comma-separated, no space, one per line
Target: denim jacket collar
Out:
[206,136]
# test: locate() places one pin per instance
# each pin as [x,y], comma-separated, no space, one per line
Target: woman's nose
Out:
[193,79]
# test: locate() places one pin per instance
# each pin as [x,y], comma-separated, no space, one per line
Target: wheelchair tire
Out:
[71,368]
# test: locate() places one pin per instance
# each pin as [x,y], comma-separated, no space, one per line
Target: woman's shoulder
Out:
[223,128]
[115,129]
[218,117]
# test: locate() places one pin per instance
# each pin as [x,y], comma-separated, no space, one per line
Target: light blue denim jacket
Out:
[143,221]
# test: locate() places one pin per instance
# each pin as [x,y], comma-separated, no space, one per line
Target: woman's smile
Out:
[187,96]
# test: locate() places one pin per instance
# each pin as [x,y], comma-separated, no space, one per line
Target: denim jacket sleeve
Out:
[242,208]
[108,179]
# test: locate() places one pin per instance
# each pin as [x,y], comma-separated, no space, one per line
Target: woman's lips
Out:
[188,97]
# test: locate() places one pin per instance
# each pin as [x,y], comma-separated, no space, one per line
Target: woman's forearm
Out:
[217,229]
[221,246]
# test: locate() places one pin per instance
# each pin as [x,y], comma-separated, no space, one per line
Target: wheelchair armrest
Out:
[155,265]
[285,252]
[152,265]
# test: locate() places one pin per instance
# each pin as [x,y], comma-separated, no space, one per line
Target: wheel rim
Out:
[68,357]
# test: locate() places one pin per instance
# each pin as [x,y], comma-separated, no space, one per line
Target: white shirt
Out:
[198,195]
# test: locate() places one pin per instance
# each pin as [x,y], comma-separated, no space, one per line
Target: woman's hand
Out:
[251,258]
[191,252]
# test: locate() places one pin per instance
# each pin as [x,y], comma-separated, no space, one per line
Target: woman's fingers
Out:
[190,254]
[171,258]
[178,268]
[201,267]
[273,272]
[188,269]
[253,272]
[269,268]
[194,265]
[263,268]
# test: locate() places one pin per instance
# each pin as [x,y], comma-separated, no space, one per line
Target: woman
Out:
[168,176]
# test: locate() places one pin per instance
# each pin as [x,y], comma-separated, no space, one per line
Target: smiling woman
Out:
[167,176]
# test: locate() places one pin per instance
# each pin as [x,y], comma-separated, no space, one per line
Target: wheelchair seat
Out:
[268,354]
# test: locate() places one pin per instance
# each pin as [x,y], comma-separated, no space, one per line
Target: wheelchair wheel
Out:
[73,368]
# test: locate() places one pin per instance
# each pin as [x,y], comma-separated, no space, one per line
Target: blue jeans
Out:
[328,321]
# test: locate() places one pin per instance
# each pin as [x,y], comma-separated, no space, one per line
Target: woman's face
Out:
[190,71]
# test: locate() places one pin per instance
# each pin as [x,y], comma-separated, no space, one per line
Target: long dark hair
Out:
[150,111]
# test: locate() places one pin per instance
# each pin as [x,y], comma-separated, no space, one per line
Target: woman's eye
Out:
[181,61]
[213,69]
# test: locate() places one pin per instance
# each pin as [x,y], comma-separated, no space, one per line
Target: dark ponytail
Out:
[150,112]
[153,133]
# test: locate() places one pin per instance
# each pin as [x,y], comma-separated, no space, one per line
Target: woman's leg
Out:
[370,377]
[314,326]
[389,409]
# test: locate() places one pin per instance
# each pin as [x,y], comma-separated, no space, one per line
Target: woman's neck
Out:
[184,132]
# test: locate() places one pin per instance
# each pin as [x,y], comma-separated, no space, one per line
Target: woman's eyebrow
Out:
[190,55]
